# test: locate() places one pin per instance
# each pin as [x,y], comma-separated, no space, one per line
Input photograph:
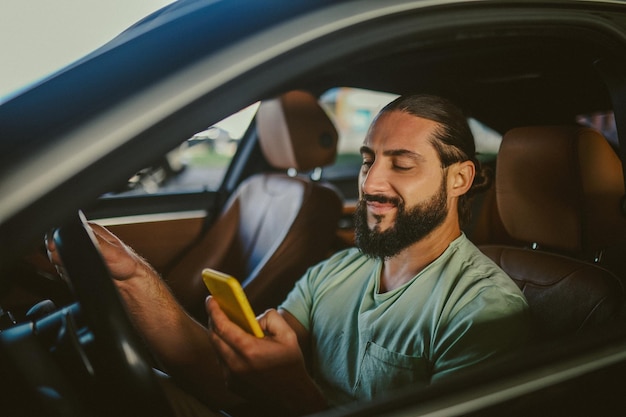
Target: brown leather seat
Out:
[275,225]
[558,189]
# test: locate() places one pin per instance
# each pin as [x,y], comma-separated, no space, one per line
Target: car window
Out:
[199,163]
[353,110]
[603,122]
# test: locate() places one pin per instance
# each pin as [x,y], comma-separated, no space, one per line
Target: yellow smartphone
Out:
[231,298]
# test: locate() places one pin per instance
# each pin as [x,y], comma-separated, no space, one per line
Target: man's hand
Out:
[272,367]
[180,343]
[122,261]
[245,354]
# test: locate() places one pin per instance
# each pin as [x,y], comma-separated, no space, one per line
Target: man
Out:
[414,303]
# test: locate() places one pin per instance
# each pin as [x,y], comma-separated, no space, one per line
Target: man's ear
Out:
[460,178]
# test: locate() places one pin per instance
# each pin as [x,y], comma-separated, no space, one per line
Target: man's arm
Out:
[181,344]
[301,332]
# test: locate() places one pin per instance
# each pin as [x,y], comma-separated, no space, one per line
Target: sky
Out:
[38,37]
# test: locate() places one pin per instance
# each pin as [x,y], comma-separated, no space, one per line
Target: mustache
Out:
[379,198]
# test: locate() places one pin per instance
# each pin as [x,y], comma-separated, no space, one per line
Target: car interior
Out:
[275,225]
[553,218]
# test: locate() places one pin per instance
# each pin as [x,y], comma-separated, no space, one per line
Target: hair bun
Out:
[482,179]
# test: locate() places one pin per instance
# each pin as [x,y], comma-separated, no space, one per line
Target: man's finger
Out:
[223,326]
[229,340]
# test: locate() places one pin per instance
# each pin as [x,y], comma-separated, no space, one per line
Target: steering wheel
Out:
[120,359]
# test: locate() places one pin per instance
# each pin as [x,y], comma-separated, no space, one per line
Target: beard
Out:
[410,226]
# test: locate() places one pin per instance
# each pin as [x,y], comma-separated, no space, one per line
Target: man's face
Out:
[402,187]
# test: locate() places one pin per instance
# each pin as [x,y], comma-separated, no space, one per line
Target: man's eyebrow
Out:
[393,152]
[366,150]
[404,152]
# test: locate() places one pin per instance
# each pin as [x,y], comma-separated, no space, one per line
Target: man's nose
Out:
[374,181]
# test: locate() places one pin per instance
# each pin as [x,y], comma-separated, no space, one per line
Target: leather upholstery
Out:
[566,296]
[559,188]
[295,132]
[274,226]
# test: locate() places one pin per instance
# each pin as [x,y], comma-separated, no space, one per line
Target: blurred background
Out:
[37,37]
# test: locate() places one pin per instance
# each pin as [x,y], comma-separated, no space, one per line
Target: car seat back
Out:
[558,191]
[275,225]
[560,188]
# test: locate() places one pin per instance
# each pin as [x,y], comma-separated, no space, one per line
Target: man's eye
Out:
[401,168]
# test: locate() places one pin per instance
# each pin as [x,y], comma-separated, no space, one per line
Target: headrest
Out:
[295,132]
[560,187]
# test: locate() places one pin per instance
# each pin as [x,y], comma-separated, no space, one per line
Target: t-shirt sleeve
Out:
[299,301]
[303,298]
[490,324]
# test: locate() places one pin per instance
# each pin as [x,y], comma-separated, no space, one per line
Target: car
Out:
[542,83]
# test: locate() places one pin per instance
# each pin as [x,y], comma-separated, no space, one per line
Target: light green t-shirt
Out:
[457,312]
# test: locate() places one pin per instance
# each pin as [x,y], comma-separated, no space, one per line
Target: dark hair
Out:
[453,140]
